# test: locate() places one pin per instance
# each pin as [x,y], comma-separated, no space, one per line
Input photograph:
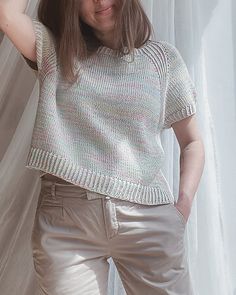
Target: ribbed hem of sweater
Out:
[95,181]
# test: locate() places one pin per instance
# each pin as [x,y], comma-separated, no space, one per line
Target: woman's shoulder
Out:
[165,46]
[170,52]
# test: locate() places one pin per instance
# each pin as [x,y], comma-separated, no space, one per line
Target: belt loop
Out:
[91,195]
[53,190]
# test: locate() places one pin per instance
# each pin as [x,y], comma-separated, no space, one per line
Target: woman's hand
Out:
[184,205]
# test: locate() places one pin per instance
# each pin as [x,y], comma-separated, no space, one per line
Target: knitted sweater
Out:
[103,133]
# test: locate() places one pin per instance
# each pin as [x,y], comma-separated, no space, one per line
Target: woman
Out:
[96,140]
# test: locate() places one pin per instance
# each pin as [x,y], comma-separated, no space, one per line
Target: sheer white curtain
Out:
[204,33]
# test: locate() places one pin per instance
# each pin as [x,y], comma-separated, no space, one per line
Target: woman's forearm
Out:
[192,159]
[14,5]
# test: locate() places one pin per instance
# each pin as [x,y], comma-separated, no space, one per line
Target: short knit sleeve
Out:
[45,46]
[180,100]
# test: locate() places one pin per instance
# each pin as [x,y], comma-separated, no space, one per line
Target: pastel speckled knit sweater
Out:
[103,133]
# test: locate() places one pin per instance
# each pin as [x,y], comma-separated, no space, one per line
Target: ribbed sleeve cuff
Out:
[183,113]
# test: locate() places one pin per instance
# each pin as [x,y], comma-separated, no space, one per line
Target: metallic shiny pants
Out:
[75,231]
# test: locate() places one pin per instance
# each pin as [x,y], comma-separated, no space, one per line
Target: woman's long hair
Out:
[75,39]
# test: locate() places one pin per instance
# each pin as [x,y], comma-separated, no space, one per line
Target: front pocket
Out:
[179,214]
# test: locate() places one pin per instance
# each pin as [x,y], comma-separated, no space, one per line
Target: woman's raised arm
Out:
[18,27]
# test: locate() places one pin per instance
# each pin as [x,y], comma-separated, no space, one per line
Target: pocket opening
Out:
[181,216]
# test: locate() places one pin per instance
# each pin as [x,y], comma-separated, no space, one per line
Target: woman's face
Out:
[100,21]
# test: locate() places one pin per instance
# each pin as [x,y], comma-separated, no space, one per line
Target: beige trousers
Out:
[76,230]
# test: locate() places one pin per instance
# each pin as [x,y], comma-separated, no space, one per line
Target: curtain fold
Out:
[204,33]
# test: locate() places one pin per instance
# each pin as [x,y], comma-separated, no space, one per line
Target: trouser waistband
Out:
[70,190]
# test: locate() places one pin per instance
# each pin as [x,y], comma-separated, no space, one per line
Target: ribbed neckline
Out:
[109,51]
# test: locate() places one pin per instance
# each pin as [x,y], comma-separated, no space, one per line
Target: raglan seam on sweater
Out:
[163,81]
[45,53]
[151,52]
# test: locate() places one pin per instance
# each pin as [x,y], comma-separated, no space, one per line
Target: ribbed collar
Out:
[109,51]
